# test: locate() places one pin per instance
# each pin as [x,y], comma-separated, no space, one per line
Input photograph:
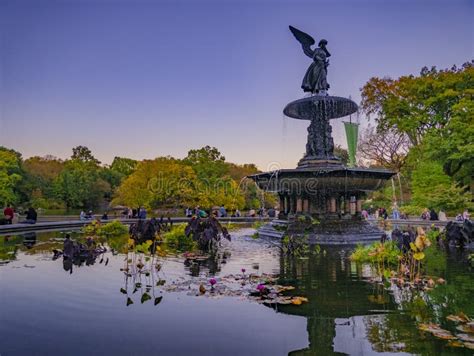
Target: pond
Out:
[52,307]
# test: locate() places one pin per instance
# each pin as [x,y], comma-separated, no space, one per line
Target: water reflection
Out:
[29,239]
[346,312]
[349,314]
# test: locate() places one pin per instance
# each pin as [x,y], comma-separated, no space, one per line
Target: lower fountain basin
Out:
[327,232]
[316,180]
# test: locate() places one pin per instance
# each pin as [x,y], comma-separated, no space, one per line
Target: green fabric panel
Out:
[352,134]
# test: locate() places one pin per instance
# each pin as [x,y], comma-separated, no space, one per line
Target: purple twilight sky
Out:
[142,79]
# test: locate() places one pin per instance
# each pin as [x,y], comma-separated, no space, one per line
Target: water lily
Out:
[261,287]
[212,281]
[243,270]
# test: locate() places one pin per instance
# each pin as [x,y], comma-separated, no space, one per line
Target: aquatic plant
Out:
[141,271]
[212,282]
[295,245]
[206,232]
[387,254]
[113,228]
[258,224]
[178,239]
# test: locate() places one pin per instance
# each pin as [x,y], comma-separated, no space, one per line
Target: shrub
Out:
[177,238]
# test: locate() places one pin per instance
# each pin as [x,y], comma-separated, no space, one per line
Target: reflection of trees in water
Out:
[9,245]
[29,239]
[383,335]
[335,289]
[211,262]
[397,331]
[8,248]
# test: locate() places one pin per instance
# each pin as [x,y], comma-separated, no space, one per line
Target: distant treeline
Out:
[203,178]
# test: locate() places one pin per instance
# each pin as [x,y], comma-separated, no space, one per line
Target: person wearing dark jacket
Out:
[433,215]
[31,216]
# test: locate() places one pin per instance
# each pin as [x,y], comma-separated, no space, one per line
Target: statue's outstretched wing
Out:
[306,41]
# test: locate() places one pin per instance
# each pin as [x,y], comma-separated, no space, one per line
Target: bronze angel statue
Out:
[314,80]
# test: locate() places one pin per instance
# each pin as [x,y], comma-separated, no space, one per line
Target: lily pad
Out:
[466,337]
[469,345]
[145,297]
[429,327]
[455,343]
[296,301]
[465,328]
[459,318]
[129,301]
[444,334]
[158,300]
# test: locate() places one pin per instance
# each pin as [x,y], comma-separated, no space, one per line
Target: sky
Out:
[143,78]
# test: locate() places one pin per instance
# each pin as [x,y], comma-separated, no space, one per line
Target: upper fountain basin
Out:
[320,106]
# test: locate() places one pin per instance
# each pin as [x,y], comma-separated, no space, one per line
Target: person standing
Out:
[395,211]
[8,212]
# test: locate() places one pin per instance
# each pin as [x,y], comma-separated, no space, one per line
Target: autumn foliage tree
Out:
[425,118]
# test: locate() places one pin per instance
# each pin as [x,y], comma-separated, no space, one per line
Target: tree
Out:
[386,148]
[454,145]
[432,188]
[415,105]
[124,166]
[37,183]
[79,184]
[82,153]
[159,182]
[435,111]
[207,162]
[10,175]
[342,154]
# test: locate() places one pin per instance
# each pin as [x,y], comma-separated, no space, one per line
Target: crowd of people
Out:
[30,216]
[427,214]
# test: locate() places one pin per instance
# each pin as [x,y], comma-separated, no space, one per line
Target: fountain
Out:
[321,186]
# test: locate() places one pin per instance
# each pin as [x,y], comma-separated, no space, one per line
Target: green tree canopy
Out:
[84,154]
[415,105]
[432,188]
[10,175]
[207,162]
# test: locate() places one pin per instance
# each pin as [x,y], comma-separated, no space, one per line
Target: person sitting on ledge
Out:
[31,216]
